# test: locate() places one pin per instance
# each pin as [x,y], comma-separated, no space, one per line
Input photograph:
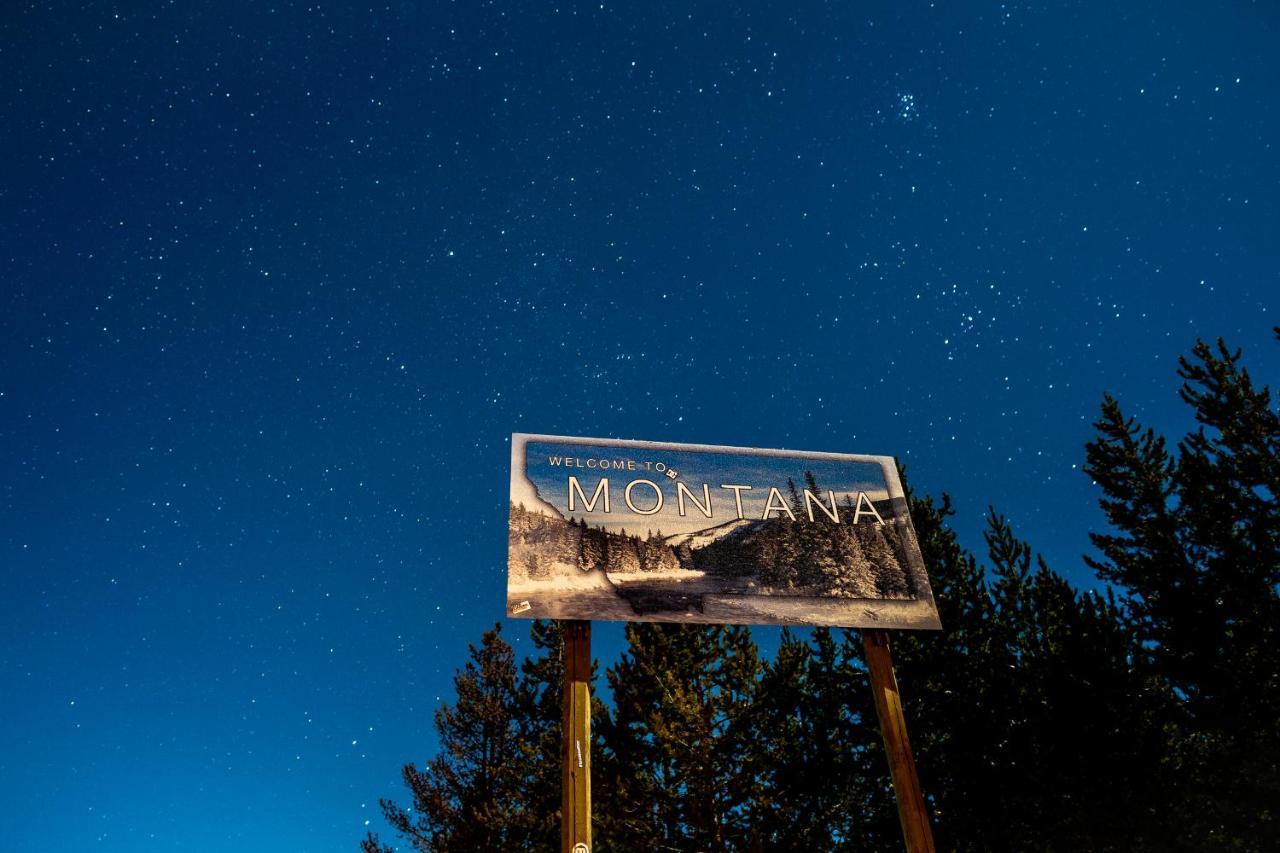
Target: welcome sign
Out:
[650,531]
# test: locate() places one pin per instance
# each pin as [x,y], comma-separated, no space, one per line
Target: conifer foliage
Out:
[1195,549]
[1142,716]
[467,797]
[678,737]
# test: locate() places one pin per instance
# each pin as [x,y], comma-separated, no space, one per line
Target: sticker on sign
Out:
[653,531]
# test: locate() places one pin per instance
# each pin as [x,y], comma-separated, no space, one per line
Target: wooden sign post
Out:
[893,727]
[575,754]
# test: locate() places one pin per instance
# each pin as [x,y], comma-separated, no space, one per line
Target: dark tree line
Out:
[1146,718]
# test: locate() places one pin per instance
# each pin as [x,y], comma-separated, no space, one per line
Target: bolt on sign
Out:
[651,531]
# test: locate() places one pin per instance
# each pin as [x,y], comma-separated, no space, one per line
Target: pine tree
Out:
[469,797]
[815,543]
[849,573]
[1228,484]
[588,557]
[1074,703]
[777,554]
[793,498]
[1032,727]
[1195,550]
[814,755]
[1145,553]
[678,737]
[890,579]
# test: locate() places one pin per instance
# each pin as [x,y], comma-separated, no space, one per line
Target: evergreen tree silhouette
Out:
[678,737]
[1042,717]
[818,765]
[468,797]
[1195,551]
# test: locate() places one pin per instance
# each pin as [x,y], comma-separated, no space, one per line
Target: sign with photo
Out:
[651,531]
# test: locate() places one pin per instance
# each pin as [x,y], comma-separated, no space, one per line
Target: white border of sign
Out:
[918,613]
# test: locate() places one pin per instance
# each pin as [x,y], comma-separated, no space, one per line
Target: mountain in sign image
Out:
[775,557]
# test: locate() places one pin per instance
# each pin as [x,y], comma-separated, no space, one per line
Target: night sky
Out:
[279,280]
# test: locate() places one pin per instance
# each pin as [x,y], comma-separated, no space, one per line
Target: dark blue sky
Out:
[279,280]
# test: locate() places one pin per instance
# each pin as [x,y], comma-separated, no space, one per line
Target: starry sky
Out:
[279,280]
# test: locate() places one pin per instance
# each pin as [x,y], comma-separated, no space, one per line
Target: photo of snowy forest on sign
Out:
[775,556]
